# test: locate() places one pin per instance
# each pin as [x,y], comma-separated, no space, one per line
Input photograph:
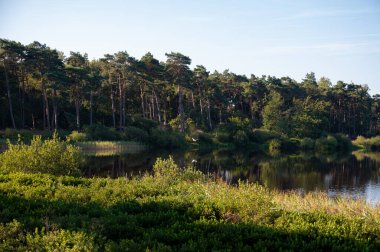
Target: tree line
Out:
[43,89]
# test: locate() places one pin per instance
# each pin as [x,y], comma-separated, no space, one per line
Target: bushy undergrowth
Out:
[41,156]
[175,210]
[369,144]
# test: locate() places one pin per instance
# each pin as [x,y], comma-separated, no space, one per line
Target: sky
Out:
[338,39]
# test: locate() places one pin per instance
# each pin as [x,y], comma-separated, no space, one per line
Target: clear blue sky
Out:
[339,39]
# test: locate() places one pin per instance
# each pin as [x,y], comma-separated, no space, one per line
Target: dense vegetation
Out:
[175,210]
[40,88]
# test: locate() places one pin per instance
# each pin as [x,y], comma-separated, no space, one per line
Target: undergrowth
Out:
[175,210]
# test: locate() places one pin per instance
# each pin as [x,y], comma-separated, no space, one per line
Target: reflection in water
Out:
[356,175]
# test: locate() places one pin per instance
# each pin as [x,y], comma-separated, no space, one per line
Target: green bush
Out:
[144,123]
[240,138]
[166,138]
[222,136]
[307,144]
[343,142]
[76,136]
[360,140]
[326,144]
[99,132]
[132,133]
[49,156]
[205,138]
[373,143]
[274,145]
[11,134]
[262,136]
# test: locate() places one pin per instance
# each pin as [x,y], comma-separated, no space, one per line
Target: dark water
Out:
[354,175]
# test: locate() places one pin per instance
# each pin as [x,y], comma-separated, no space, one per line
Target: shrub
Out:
[49,156]
[360,140]
[262,135]
[205,138]
[326,144]
[307,144]
[167,138]
[76,136]
[11,134]
[144,123]
[240,138]
[99,132]
[274,145]
[373,143]
[132,133]
[343,142]
[222,136]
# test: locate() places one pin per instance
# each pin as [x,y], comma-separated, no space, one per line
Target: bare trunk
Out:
[153,106]
[142,100]
[54,121]
[46,107]
[180,110]
[124,114]
[120,103]
[209,114]
[22,100]
[165,113]
[77,110]
[91,100]
[150,111]
[158,107]
[9,96]
[192,99]
[113,108]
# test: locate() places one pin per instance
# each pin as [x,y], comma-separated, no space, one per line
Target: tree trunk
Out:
[55,110]
[77,110]
[120,103]
[22,100]
[46,102]
[192,99]
[158,107]
[209,114]
[180,110]
[142,101]
[91,100]
[113,108]
[9,96]
[153,106]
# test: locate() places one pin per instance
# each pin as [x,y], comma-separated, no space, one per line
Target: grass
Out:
[176,210]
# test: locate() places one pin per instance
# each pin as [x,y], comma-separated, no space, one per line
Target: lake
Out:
[353,175]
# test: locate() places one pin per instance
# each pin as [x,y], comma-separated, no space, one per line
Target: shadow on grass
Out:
[163,226]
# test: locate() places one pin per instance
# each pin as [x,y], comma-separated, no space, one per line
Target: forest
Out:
[43,89]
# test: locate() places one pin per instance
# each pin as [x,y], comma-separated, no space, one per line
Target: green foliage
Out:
[132,133]
[98,132]
[48,156]
[343,142]
[144,124]
[369,144]
[326,144]
[76,136]
[261,135]
[274,146]
[166,138]
[173,210]
[307,144]
[189,124]
[274,115]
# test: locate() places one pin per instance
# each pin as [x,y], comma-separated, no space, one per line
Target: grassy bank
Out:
[175,210]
